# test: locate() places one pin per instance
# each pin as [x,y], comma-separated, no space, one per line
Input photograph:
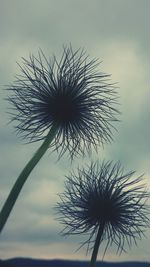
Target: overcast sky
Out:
[116,32]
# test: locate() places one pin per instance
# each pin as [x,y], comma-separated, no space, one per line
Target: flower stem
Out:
[96,245]
[8,205]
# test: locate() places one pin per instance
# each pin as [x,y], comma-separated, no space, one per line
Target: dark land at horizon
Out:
[27,262]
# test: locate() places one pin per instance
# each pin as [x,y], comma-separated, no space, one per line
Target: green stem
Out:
[8,205]
[96,245]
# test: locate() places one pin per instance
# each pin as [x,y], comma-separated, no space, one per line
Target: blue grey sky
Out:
[116,32]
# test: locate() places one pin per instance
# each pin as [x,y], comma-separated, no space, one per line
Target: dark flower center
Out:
[105,210]
[64,108]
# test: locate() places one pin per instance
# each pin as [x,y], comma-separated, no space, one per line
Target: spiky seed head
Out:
[103,194]
[72,93]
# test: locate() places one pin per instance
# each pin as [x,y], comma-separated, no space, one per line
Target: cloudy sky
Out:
[117,32]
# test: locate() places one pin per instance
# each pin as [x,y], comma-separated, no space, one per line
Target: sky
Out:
[116,32]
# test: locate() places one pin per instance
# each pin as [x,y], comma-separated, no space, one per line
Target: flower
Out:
[105,197]
[72,94]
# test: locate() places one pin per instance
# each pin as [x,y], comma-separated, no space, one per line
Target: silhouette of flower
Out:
[70,93]
[105,203]
[68,104]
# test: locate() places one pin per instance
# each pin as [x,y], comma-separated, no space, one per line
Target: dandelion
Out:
[68,103]
[105,203]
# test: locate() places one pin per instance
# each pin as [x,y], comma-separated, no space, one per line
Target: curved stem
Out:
[8,205]
[96,245]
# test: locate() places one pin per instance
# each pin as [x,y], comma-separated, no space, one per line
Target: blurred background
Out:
[116,32]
